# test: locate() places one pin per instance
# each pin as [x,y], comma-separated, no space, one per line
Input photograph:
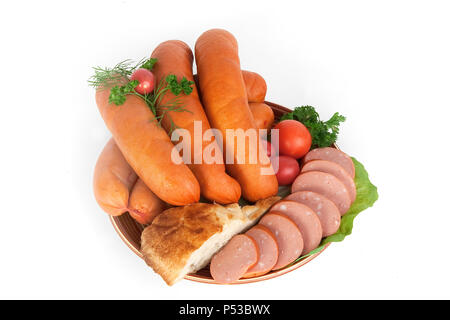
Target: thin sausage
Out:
[334,169]
[262,114]
[143,204]
[268,250]
[225,100]
[288,236]
[306,220]
[333,155]
[326,210]
[255,86]
[234,259]
[175,57]
[147,148]
[325,184]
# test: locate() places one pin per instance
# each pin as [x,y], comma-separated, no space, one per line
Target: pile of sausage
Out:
[135,172]
[294,226]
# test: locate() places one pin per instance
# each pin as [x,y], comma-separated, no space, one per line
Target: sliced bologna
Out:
[325,184]
[326,210]
[306,220]
[268,250]
[234,259]
[334,169]
[288,236]
[333,155]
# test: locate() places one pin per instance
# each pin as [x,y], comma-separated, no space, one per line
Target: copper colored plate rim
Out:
[120,232]
[204,279]
[278,110]
[267,276]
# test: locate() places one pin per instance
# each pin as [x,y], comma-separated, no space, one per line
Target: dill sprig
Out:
[106,78]
[159,109]
[117,79]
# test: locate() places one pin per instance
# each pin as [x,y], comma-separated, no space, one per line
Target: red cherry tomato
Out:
[146,80]
[294,138]
[269,147]
[288,170]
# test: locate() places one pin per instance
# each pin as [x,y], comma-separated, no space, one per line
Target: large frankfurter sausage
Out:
[255,86]
[325,184]
[175,57]
[147,148]
[225,101]
[234,259]
[333,155]
[113,180]
[118,189]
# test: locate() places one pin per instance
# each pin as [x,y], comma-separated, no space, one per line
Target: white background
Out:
[383,64]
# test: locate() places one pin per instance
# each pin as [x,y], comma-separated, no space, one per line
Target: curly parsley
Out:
[176,87]
[323,133]
[149,64]
[117,79]
[118,93]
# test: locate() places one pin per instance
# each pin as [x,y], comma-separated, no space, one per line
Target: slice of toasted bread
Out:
[182,240]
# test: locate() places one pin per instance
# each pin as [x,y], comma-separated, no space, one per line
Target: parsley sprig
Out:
[323,133]
[149,64]
[118,93]
[159,109]
[176,87]
[117,79]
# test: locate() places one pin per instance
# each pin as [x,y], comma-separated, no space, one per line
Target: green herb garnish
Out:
[149,64]
[106,78]
[117,79]
[323,133]
[154,101]
[177,87]
[118,93]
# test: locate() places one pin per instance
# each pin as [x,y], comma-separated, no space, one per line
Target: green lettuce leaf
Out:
[366,195]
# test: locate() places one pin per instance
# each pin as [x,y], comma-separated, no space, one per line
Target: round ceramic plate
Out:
[130,232]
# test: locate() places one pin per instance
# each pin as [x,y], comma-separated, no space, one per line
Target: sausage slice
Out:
[334,169]
[326,210]
[333,155]
[288,236]
[306,220]
[325,184]
[234,259]
[268,250]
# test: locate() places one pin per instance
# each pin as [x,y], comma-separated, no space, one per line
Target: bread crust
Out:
[168,243]
[175,234]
